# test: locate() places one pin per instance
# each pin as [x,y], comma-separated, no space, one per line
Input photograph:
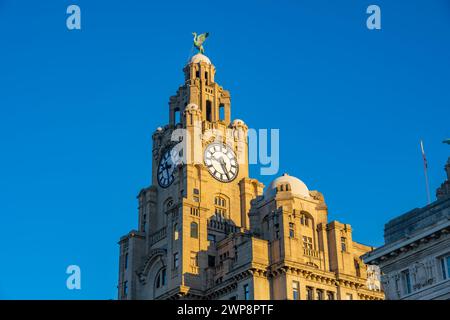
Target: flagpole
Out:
[425,169]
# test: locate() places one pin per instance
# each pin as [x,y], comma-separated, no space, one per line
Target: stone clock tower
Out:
[208,231]
[200,193]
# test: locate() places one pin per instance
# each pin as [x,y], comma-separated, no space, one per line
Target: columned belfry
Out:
[206,230]
[201,89]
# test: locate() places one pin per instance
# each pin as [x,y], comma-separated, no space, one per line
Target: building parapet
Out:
[158,236]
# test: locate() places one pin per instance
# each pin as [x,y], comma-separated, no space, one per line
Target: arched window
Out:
[306,219]
[220,207]
[221,112]
[177,118]
[175,231]
[208,110]
[194,230]
[160,280]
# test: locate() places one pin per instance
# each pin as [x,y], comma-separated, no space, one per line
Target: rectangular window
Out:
[319,294]
[295,290]
[208,111]
[126,261]
[176,261]
[222,112]
[211,261]
[177,116]
[343,244]
[291,230]
[246,292]
[406,280]
[330,295]
[211,238]
[309,293]
[307,243]
[349,296]
[144,222]
[125,288]
[194,230]
[445,267]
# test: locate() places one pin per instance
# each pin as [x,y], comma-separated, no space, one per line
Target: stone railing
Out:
[194,269]
[311,253]
[222,226]
[158,235]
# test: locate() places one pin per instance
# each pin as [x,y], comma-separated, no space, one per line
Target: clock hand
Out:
[166,168]
[224,167]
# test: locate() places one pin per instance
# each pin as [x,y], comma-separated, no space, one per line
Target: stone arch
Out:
[168,204]
[154,256]
[156,261]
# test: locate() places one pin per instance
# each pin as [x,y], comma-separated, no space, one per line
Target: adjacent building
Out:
[415,260]
[209,231]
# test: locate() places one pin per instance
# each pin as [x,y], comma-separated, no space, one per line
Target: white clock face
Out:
[221,162]
[165,170]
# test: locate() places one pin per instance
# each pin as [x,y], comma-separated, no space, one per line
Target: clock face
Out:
[221,162]
[165,170]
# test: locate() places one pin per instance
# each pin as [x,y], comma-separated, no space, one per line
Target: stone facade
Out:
[207,230]
[415,260]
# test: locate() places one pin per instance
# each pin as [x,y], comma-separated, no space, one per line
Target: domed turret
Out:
[200,58]
[287,183]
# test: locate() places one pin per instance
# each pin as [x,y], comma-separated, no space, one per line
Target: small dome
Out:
[200,58]
[296,186]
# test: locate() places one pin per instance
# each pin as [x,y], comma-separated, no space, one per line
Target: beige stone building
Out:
[209,231]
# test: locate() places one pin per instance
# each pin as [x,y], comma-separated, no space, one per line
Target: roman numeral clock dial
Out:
[221,162]
[165,170]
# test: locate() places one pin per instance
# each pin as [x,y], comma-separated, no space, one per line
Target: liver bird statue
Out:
[199,39]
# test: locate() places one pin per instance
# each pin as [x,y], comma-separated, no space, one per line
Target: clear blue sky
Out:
[78,108]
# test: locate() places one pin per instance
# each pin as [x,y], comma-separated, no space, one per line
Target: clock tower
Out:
[200,193]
